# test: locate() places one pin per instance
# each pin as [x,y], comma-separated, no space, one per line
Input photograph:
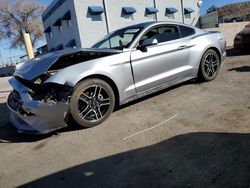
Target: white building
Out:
[81,23]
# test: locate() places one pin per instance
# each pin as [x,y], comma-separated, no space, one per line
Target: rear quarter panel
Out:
[200,43]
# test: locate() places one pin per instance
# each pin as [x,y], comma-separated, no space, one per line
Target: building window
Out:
[96,18]
[128,17]
[59,47]
[170,11]
[151,16]
[95,12]
[127,13]
[187,12]
[52,49]
[67,17]
[188,16]
[71,44]
[58,23]
[49,32]
[150,12]
[170,16]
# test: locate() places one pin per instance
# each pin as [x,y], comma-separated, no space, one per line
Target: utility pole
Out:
[28,45]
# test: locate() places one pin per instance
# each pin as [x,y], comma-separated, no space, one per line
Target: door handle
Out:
[182,47]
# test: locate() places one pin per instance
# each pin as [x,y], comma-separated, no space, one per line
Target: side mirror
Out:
[148,42]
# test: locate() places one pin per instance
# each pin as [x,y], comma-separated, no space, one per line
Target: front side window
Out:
[162,34]
[119,39]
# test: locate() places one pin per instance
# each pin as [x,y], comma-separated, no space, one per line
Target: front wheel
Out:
[210,65]
[92,102]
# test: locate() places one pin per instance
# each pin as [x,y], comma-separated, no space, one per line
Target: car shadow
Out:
[241,69]
[189,160]
[235,52]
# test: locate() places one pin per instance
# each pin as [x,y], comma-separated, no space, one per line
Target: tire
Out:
[209,66]
[92,102]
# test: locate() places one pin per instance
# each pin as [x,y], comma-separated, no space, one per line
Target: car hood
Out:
[34,68]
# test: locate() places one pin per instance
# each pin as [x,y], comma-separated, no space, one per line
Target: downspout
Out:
[106,16]
[156,12]
[182,11]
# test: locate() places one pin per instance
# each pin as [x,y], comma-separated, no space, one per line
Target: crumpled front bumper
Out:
[32,116]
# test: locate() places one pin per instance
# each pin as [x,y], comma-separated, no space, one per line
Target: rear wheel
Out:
[209,67]
[92,102]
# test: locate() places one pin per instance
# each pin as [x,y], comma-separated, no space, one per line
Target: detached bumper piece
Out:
[31,116]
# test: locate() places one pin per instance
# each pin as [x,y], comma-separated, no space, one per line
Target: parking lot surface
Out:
[192,135]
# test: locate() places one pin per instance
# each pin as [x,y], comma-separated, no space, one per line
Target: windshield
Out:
[119,39]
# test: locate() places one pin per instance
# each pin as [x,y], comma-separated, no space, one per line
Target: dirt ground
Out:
[191,135]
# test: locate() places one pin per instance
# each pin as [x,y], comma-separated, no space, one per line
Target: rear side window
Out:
[186,31]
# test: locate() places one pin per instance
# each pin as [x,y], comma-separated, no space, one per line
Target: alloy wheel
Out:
[211,65]
[93,103]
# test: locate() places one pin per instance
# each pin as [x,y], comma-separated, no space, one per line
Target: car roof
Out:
[143,25]
[148,24]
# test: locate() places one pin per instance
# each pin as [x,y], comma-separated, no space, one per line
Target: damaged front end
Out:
[38,108]
[41,106]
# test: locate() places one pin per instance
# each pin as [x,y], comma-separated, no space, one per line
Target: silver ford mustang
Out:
[129,63]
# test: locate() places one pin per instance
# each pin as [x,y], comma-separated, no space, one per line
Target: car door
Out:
[157,65]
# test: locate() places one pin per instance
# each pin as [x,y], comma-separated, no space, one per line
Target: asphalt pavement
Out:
[191,135]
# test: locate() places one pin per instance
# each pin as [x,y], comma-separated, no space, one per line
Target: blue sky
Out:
[7,53]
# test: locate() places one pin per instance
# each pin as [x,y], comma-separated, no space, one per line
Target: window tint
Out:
[162,34]
[186,31]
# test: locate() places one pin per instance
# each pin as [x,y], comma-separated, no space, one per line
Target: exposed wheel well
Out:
[110,82]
